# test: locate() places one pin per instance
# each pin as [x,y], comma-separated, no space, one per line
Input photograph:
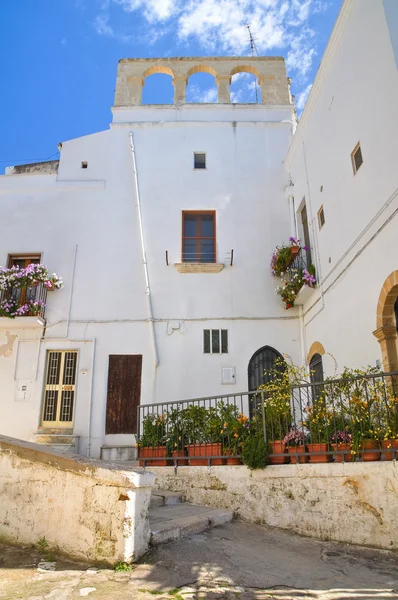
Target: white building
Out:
[163,228]
[167,291]
[343,164]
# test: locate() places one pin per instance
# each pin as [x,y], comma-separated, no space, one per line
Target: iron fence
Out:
[341,420]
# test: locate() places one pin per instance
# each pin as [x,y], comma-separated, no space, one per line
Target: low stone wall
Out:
[83,508]
[348,502]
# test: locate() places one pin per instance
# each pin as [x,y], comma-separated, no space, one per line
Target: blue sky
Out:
[59,57]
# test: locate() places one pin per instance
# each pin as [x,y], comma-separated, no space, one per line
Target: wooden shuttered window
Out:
[199,236]
[124,393]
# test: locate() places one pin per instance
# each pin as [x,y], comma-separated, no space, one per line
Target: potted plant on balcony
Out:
[234,431]
[342,443]
[152,443]
[295,443]
[283,256]
[176,437]
[203,432]
[319,425]
[390,438]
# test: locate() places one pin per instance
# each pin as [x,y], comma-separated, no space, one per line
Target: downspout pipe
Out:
[144,259]
[90,406]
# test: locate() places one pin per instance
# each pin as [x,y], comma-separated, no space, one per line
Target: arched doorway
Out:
[260,370]
[387,322]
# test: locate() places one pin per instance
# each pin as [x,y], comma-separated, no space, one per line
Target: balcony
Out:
[292,263]
[25,306]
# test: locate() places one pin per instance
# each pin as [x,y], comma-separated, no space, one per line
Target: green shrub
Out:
[255,451]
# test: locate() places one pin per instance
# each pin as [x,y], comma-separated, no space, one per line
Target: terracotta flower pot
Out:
[346,456]
[319,458]
[278,447]
[389,445]
[181,455]
[294,250]
[232,461]
[295,452]
[203,450]
[153,452]
[366,450]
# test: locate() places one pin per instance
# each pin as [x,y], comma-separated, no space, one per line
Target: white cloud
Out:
[154,10]
[102,27]
[219,26]
[196,94]
[302,97]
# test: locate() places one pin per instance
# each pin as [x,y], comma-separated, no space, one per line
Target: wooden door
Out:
[124,393]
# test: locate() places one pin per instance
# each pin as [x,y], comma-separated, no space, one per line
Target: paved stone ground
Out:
[237,561]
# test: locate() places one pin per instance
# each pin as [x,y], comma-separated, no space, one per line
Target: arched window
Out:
[202,86]
[245,86]
[316,375]
[261,370]
[158,86]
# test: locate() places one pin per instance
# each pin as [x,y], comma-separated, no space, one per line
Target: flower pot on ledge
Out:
[181,456]
[149,452]
[278,447]
[296,454]
[198,452]
[319,451]
[343,447]
[390,448]
[294,250]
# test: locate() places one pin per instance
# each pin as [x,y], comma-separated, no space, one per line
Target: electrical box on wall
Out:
[228,375]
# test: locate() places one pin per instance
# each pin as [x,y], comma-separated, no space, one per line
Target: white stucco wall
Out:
[83,509]
[353,99]
[84,222]
[344,502]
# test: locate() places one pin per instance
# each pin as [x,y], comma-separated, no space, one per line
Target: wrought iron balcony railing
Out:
[24,301]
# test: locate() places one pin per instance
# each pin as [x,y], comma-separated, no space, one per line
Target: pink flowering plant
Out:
[295,437]
[341,437]
[282,257]
[11,308]
[32,275]
[14,278]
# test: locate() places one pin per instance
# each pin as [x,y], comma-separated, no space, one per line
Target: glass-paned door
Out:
[59,393]
[24,294]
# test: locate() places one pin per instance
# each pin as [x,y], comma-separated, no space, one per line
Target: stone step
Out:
[164,498]
[172,522]
[67,444]
[118,453]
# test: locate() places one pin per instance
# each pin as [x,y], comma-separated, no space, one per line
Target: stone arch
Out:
[157,69]
[204,88]
[202,69]
[245,69]
[316,348]
[386,332]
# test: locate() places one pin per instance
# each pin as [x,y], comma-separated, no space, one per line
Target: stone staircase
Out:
[171,518]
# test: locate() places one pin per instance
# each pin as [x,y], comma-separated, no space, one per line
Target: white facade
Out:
[111,228]
[85,224]
[354,99]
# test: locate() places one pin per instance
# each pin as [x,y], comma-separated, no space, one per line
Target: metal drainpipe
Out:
[144,260]
[90,406]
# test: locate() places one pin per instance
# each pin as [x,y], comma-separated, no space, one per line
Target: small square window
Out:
[356,157]
[215,341]
[84,164]
[321,218]
[199,160]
